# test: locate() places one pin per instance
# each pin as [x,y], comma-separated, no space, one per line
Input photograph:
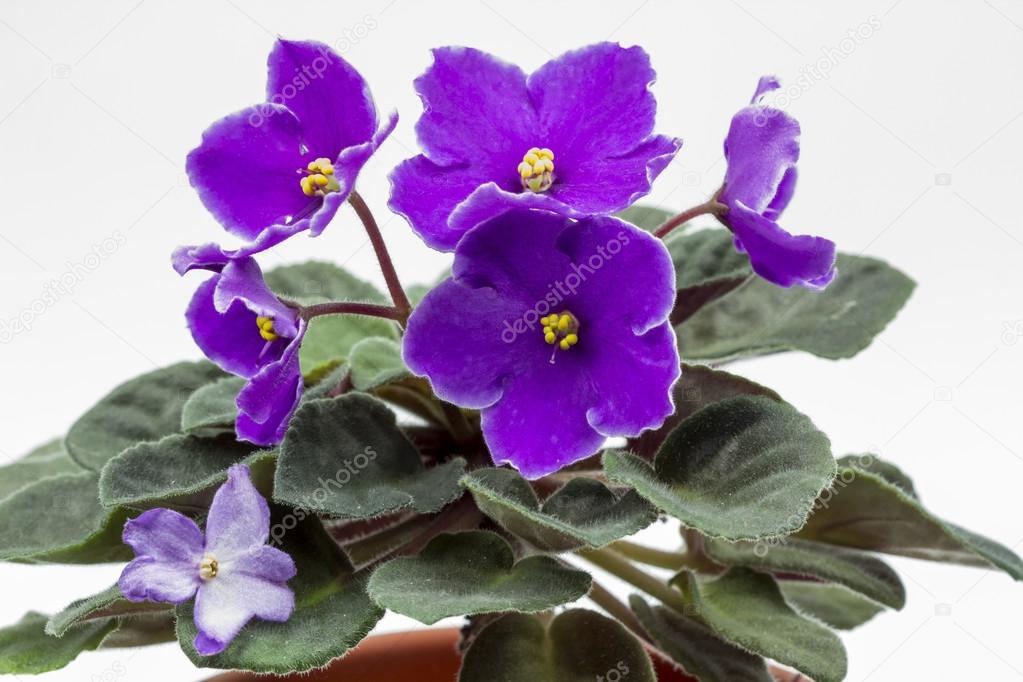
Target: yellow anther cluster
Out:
[537,169]
[320,179]
[560,328]
[208,568]
[266,328]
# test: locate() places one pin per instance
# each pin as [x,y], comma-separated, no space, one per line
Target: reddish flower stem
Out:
[398,297]
[712,205]
[352,308]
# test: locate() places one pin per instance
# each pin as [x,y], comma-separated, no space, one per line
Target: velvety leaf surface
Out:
[740,469]
[146,408]
[577,646]
[645,217]
[470,573]
[748,608]
[856,570]
[865,511]
[106,605]
[211,411]
[26,649]
[582,512]
[146,629]
[346,457]
[878,466]
[332,611]
[49,459]
[376,361]
[696,648]
[60,519]
[839,322]
[830,603]
[172,471]
[707,267]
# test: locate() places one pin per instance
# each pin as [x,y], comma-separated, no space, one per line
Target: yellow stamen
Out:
[537,169]
[266,328]
[319,179]
[208,568]
[560,330]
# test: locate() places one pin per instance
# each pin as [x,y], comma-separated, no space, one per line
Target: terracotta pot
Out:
[414,656]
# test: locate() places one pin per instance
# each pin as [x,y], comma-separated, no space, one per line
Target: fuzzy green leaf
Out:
[60,520]
[49,459]
[759,318]
[346,457]
[103,606]
[748,608]
[832,604]
[856,570]
[332,612]
[144,409]
[582,512]
[25,648]
[470,573]
[577,646]
[707,267]
[211,411]
[740,469]
[696,648]
[376,361]
[645,217]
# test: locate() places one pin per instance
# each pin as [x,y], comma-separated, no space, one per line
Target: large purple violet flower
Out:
[285,166]
[557,330]
[245,329]
[762,148]
[574,137]
[232,572]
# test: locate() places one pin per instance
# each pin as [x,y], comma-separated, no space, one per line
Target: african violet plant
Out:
[445,452]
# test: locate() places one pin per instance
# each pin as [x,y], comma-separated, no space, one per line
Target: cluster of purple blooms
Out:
[519,177]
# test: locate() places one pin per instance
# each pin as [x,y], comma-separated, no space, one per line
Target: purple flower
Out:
[245,329]
[762,148]
[574,137]
[232,572]
[557,330]
[285,166]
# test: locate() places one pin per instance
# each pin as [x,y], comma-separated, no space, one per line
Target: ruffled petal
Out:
[329,97]
[242,281]
[245,170]
[266,563]
[489,200]
[239,518]
[225,604]
[778,256]
[147,579]
[266,403]
[168,548]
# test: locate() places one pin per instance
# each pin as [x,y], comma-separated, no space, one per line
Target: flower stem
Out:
[398,297]
[617,565]
[672,561]
[712,205]
[351,308]
[603,598]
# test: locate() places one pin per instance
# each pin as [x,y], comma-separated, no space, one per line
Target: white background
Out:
[911,153]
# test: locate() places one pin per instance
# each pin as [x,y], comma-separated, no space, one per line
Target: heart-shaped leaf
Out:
[577,646]
[839,322]
[49,459]
[332,611]
[60,520]
[747,608]
[144,409]
[865,511]
[26,649]
[858,571]
[108,604]
[696,648]
[582,512]
[473,572]
[211,411]
[346,457]
[376,361]
[830,603]
[740,469]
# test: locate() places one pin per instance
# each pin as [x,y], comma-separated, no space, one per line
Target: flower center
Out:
[537,170]
[319,178]
[266,328]
[560,330]
[208,568]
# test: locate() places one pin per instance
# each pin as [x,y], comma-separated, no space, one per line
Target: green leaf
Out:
[211,411]
[582,512]
[470,573]
[740,469]
[698,387]
[144,629]
[577,646]
[346,457]
[146,408]
[49,459]
[329,339]
[376,361]
[106,605]
[886,470]
[832,604]
[60,520]
[647,218]
[696,648]
[865,511]
[332,612]
[174,471]
[856,570]
[707,267]
[748,608]
[759,318]
[26,649]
